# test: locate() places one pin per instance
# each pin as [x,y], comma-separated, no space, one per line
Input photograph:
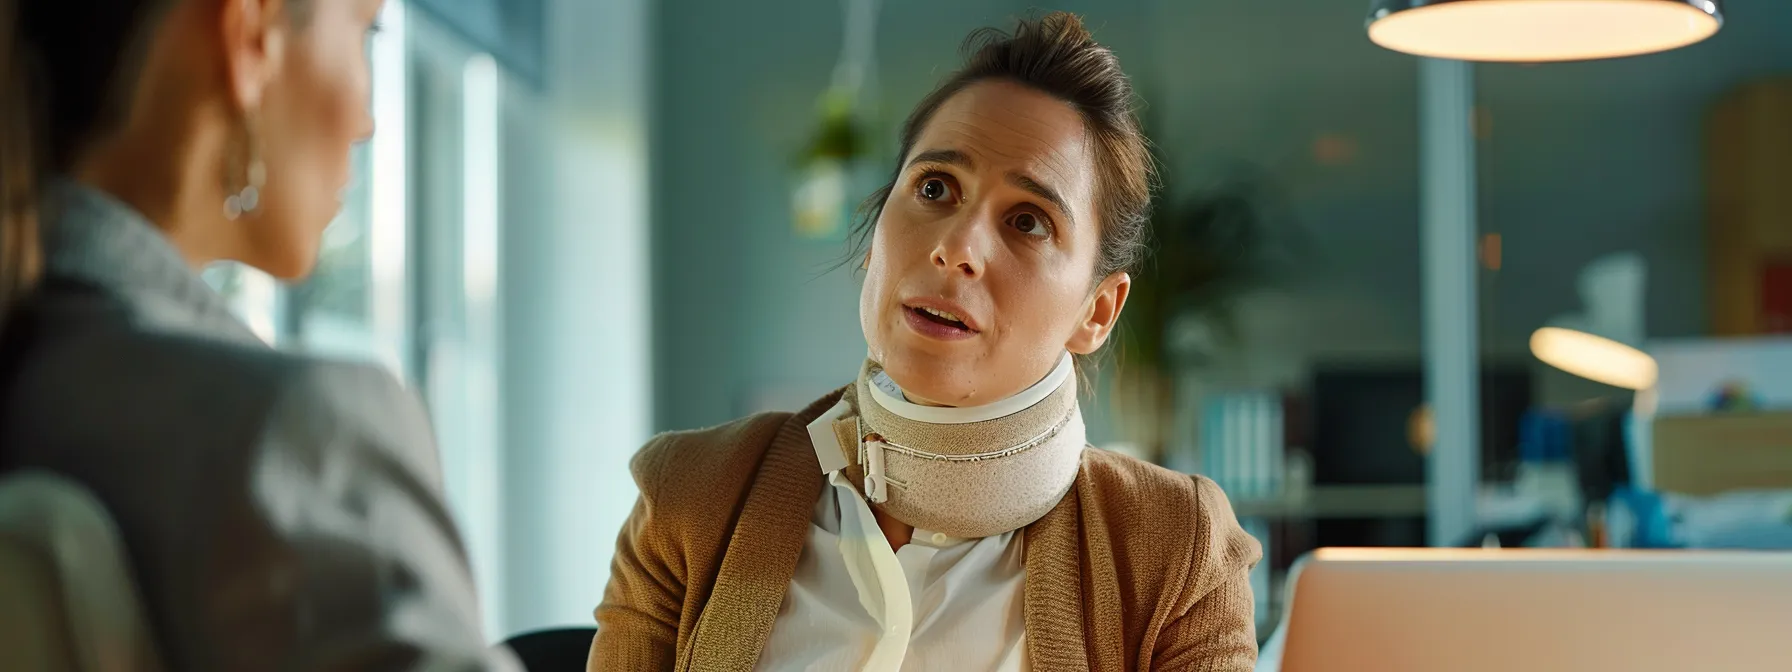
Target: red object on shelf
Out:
[1776,298]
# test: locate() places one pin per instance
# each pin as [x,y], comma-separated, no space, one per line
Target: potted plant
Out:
[1212,246]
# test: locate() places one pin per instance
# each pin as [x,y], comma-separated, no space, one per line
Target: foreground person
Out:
[280,512]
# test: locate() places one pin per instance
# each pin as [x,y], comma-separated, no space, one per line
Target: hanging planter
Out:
[836,159]
[822,202]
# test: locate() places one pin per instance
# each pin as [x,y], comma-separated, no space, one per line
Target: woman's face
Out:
[981,271]
[312,112]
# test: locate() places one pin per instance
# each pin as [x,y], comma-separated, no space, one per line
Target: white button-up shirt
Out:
[938,603]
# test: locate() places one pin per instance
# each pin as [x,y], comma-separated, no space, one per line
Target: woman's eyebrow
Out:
[1038,189]
[945,156]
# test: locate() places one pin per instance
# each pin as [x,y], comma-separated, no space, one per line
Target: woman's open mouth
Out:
[938,324]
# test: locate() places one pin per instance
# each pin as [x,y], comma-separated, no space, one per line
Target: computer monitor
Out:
[1474,610]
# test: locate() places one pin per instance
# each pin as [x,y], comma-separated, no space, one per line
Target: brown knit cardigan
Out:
[1139,568]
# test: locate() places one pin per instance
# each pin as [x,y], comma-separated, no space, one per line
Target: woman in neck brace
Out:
[943,512]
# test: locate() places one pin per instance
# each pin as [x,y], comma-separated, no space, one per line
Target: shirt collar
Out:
[91,236]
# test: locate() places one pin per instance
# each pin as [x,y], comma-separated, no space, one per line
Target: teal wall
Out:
[743,308]
[1582,159]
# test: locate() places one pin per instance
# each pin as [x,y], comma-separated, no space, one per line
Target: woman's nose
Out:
[964,247]
[364,125]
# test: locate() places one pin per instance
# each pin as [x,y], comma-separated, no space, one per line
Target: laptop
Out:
[1537,610]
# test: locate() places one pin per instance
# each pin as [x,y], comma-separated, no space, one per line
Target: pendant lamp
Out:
[1535,31]
[1600,342]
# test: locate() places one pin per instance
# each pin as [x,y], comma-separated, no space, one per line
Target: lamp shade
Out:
[1533,31]
[1594,357]
[1599,343]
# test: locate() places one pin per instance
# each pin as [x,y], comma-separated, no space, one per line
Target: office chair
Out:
[553,650]
[67,599]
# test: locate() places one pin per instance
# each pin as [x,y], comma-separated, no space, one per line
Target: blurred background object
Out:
[1600,342]
[841,161]
[582,222]
[1524,31]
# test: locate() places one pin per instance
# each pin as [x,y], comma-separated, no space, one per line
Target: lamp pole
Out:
[1448,268]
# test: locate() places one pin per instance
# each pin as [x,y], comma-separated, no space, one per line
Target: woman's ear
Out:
[1102,313]
[253,36]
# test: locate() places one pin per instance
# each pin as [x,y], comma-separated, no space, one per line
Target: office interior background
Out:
[584,222]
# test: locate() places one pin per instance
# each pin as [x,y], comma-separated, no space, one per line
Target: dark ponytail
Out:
[20,163]
[68,71]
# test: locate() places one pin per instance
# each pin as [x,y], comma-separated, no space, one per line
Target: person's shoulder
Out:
[1123,479]
[1128,478]
[226,367]
[699,460]
[229,388]
[328,411]
[96,334]
[222,414]
[716,459]
[697,451]
[300,412]
[328,398]
[1147,501]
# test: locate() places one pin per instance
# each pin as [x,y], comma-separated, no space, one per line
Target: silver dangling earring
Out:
[243,200]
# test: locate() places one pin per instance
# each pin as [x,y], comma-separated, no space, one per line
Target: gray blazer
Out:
[282,512]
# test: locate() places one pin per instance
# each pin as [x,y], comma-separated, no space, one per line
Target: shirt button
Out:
[939,538]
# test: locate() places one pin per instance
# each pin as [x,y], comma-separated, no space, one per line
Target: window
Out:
[407,274]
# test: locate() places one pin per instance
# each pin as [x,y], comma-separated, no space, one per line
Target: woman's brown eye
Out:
[1030,224]
[934,190]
